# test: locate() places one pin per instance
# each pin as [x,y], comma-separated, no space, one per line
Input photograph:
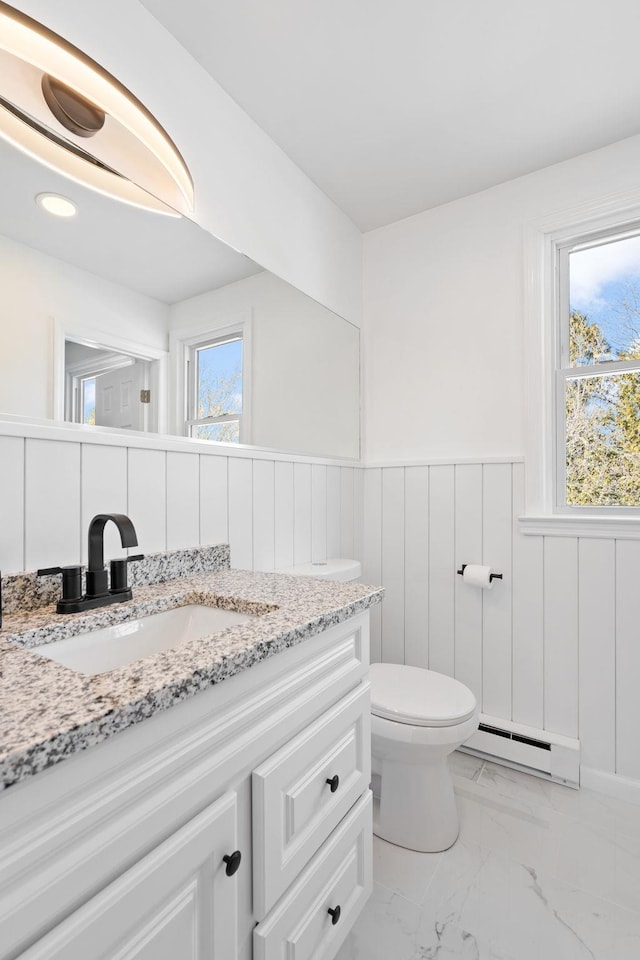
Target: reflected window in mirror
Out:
[87,397]
[216,389]
[106,388]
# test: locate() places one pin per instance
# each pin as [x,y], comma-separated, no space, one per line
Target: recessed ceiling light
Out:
[64,110]
[57,205]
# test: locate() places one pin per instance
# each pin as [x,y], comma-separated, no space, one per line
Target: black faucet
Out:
[97,583]
[98,593]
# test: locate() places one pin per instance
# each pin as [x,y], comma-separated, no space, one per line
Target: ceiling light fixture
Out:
[56,204]
[65,110]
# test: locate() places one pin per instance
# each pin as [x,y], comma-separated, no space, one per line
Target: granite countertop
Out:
[50,712]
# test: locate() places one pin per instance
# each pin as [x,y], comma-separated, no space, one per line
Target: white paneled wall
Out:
[52,505]
[272,512]
[555,645]
[12,527]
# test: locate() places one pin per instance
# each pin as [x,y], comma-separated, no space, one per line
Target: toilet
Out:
[418,718]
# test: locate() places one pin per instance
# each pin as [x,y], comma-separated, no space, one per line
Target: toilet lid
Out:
[419,697]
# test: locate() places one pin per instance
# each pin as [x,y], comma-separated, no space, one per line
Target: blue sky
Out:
[600,279]
[221,362]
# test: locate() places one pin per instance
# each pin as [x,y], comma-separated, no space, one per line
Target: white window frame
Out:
[191,377]
[183,344]
[545,239]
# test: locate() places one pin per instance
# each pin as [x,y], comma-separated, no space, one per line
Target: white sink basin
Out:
[111,647]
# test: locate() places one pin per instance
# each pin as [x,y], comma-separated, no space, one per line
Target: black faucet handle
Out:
[118,579]
[71,580]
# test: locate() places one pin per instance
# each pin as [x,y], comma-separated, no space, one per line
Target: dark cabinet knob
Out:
[334,913]
[334,783]
[232,861]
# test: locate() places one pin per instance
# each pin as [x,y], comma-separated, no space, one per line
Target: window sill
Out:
[609,528]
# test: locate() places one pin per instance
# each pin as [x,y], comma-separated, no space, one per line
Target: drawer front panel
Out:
[300,927]
[295,808]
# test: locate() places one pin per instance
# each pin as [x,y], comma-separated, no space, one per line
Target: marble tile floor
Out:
[539,872]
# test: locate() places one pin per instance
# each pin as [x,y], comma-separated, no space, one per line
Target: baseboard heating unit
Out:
[538,752]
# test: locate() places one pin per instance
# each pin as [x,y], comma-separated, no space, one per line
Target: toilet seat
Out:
[419,697]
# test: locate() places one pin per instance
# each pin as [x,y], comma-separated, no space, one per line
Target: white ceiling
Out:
[165,258]
[395,107]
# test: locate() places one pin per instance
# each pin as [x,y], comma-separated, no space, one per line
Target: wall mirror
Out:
[123,319]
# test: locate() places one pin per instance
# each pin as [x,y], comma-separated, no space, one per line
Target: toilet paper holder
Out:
[492,576]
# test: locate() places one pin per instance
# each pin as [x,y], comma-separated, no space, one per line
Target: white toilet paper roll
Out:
[478,576]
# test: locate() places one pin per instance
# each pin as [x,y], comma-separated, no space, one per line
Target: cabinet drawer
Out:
[294,807]
[300,926]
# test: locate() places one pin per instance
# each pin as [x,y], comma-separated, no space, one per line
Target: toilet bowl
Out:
[418,717]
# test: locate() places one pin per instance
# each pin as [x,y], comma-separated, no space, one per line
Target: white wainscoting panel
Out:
[372,549]
[183,500]
[52,503]
[528,611]
[358,518]
[284,515]
[332,508]
[442,572]
[416,566]
[554,645]
[561,635]
[241,512]
[302,512]
[496,603]
[597,661]
[627,657]
[265,507]
[11,504]
[147,497]
[318,512]
[393,564]
[468,600]
[104,490]
[347,512]
[263,515]
[214,513]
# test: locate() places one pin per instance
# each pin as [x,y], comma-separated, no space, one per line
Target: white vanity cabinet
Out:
[118,853]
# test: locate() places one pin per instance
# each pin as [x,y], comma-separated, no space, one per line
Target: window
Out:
[597,387]
[87,413]
[215,381]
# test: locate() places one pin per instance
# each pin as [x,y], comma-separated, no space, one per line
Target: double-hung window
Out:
[215,380]
[597,379]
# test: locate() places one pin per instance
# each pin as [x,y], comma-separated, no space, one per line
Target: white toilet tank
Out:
[337,568]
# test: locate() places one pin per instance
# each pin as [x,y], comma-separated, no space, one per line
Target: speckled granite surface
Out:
[49,712]
[28,591]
